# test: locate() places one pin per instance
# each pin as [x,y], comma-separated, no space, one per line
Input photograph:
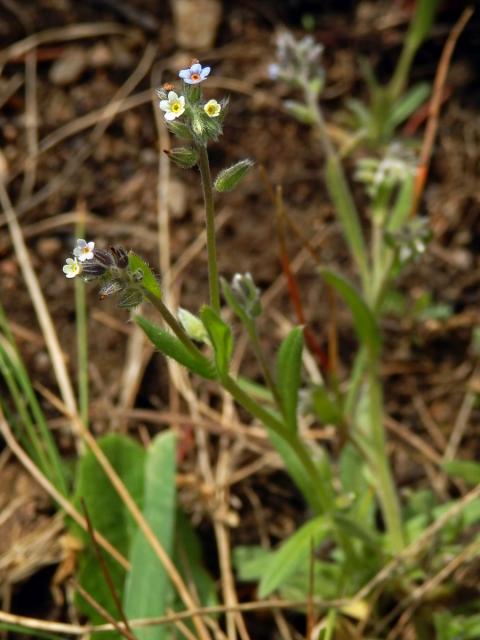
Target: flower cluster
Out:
[397,165]
[186,113]
[111,268]
[298,62]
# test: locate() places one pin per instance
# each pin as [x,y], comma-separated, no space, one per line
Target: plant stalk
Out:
[204,167]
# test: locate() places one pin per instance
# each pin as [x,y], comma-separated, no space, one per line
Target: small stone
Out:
[177,199]
[100,55]
[69,67]
[196,22]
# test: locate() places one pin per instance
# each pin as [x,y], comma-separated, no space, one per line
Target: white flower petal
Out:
[196,68]
[170,115]
[172,96]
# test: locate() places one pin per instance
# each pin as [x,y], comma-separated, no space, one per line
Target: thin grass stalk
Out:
[82,336]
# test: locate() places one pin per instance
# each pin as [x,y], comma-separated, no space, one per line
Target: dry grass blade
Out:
[65,34]
[125,631]
[137,515]
[435,105]
[39,303]
[53,493]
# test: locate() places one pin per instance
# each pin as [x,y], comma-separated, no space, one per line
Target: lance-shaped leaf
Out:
[364,321]
[289,364]
[148,587]
[221,338]
[171,346]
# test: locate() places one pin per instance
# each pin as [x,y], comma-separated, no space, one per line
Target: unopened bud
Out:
[229,178]
[185,157]
[194,327]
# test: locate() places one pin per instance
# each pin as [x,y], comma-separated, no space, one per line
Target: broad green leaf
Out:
[220,337]
[364,321]
[109,517]
[171,346]
[149,281]
[289,364]
[147,586]
[189,561]
[294,554]
[466,470]
[409,103]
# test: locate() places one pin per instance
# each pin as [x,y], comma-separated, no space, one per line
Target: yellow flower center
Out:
[176,106]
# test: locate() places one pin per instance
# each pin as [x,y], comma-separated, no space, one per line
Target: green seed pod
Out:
[180,129]
[130,298]
[185,157]
[229,178]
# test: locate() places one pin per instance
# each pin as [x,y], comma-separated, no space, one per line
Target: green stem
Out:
[257,350]
[386,490]
[204,167]
[322,500]
[172,322]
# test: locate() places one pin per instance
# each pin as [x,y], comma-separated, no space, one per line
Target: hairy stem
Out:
[204,167]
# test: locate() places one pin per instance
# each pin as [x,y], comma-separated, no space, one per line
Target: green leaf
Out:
[188,560]
[230,177]
[171,346]
[289,364]
[221,338]
[365,323]
[147,586]
[296,470]
[109,517]
[346,211]
[324,407]
[149,281]
[422,21]
[409,103]
[466,470]
[299,111]
[294,554]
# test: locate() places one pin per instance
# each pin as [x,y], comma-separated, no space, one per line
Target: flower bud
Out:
[185,157]
[103,257]
[194,327]
[243,296]
[130,298]
[229,178]
[120,256]
[179,129]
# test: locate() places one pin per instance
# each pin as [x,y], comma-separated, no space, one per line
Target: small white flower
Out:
[174,106]
[212,109]
[195,74]
[84,250]
[72,268]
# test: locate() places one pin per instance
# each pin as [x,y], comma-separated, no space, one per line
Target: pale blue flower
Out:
[195,74]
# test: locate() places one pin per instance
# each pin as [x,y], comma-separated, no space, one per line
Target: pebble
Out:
[48,247]
[68,68]
[196,22]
